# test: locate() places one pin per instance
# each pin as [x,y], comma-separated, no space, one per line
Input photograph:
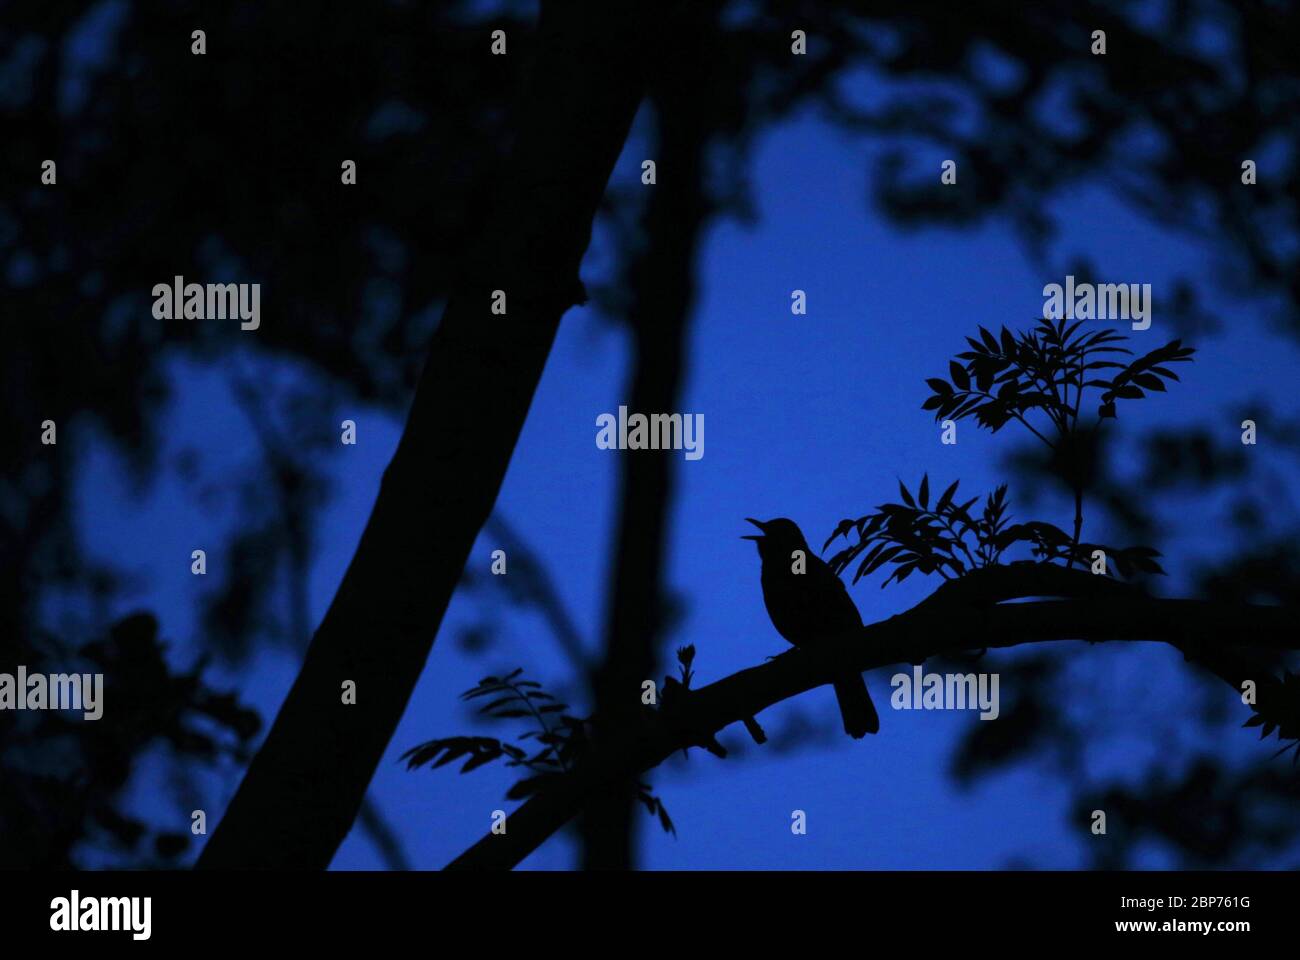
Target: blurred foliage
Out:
[1230,521]
[226,165]
[63,778]
[1207,815]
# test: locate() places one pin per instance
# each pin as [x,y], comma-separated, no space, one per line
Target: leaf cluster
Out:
[558,740]
[550,755]
[1047,370]
[949,539]
[1278,710]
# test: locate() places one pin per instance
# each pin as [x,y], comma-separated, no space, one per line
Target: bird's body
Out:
[811,607]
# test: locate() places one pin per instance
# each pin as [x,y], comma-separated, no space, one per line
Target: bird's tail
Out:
[856,708]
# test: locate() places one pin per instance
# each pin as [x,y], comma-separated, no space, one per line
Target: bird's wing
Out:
[838,612]
[807,606]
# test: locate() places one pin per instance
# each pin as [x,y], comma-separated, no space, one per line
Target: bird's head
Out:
[779,537]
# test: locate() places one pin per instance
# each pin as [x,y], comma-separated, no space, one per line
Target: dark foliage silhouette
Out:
[562,739]
[949,540]
[360,284]
[63,779]
[1035,372]
[1044,372]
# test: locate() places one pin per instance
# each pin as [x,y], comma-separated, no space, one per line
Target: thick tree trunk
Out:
[303,789]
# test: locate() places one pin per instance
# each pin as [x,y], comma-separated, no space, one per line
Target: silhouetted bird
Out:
[809,607]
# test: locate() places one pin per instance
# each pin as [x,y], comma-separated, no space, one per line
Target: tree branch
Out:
[964,614]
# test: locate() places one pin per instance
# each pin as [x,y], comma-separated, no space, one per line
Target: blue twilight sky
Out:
[814,417]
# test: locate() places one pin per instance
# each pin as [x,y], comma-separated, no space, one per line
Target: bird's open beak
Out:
[753,536]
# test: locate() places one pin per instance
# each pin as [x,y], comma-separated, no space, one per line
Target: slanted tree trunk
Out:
[302,791]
